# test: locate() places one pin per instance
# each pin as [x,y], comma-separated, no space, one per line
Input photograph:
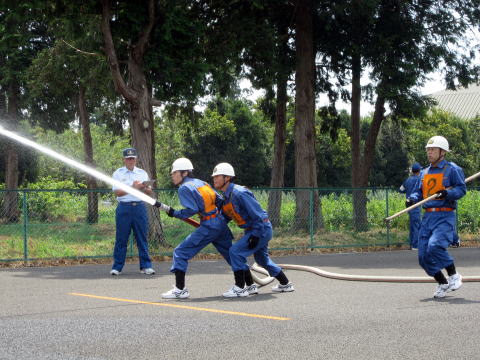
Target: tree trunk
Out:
[141,117]
[92,195]
[10,205]
[360,219]
[3,100]
[136,92]
[305,159]
[278,163]
[371,141]
[143,137]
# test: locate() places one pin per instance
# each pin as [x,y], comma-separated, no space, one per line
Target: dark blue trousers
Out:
[131,216]
[436,234]
[240,251]
[415,222]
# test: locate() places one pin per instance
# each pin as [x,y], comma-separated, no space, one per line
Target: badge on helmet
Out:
[223,169]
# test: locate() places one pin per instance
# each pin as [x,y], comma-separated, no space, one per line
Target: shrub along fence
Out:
[52,224]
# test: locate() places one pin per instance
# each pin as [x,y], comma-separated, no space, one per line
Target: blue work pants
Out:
[436,234]
[215,231]
[131,216]
[415,222]
[240,251]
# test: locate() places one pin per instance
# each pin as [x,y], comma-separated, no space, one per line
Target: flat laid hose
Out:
[348,277]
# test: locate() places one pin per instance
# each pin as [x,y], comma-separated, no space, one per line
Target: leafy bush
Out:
[51,203]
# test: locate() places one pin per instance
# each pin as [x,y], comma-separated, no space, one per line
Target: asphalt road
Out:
[81,312]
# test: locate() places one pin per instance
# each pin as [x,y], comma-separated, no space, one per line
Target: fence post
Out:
[311,216]
[386,211]
[25,225]
[456,220]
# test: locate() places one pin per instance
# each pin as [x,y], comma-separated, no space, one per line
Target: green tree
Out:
[457,131]
[156,54]
[64,86]
[305,162]
[230,132]
[270,61]
[398,43]
[391,165]
[23,33]
[474,148]
[333,148]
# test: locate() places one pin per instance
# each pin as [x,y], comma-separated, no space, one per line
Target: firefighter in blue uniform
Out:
[437,232]
[197,197]
[414,215]
[241,206]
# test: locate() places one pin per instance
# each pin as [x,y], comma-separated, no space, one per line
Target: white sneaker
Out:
[252,289]
[176,293]
[235,291]
[147,271]
[454,282]
[115,272]
[283,288]
[441,291]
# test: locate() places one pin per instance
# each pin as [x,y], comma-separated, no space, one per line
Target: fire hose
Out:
[348,277]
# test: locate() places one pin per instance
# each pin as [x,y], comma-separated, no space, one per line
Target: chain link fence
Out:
[53,224]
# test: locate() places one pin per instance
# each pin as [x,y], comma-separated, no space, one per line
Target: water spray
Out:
[95,173]
[80,166]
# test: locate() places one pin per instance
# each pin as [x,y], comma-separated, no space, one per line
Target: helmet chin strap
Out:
[225,183]
[440,158]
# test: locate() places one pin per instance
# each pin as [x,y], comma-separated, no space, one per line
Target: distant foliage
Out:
[47,206]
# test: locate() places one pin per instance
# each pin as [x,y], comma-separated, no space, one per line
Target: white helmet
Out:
[223,169]
[182,164]
[438,142]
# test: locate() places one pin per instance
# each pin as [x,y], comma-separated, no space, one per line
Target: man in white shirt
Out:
[131,214]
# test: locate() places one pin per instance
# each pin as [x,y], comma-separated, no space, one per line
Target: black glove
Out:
[170,211]
[253,241]
[441,194]
[409,203]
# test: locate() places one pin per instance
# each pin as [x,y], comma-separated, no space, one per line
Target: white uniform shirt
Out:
[128,177]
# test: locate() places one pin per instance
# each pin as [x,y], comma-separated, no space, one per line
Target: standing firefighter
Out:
[198,198]
[437,231]
[241,206]
[408,187]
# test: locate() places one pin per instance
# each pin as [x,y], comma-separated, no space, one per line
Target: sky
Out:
[433,85]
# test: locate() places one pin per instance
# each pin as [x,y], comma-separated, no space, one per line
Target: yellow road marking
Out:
[182,307]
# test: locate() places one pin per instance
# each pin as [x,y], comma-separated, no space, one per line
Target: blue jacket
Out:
[241,206]
[452,177]
[197,197]
[408,186]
